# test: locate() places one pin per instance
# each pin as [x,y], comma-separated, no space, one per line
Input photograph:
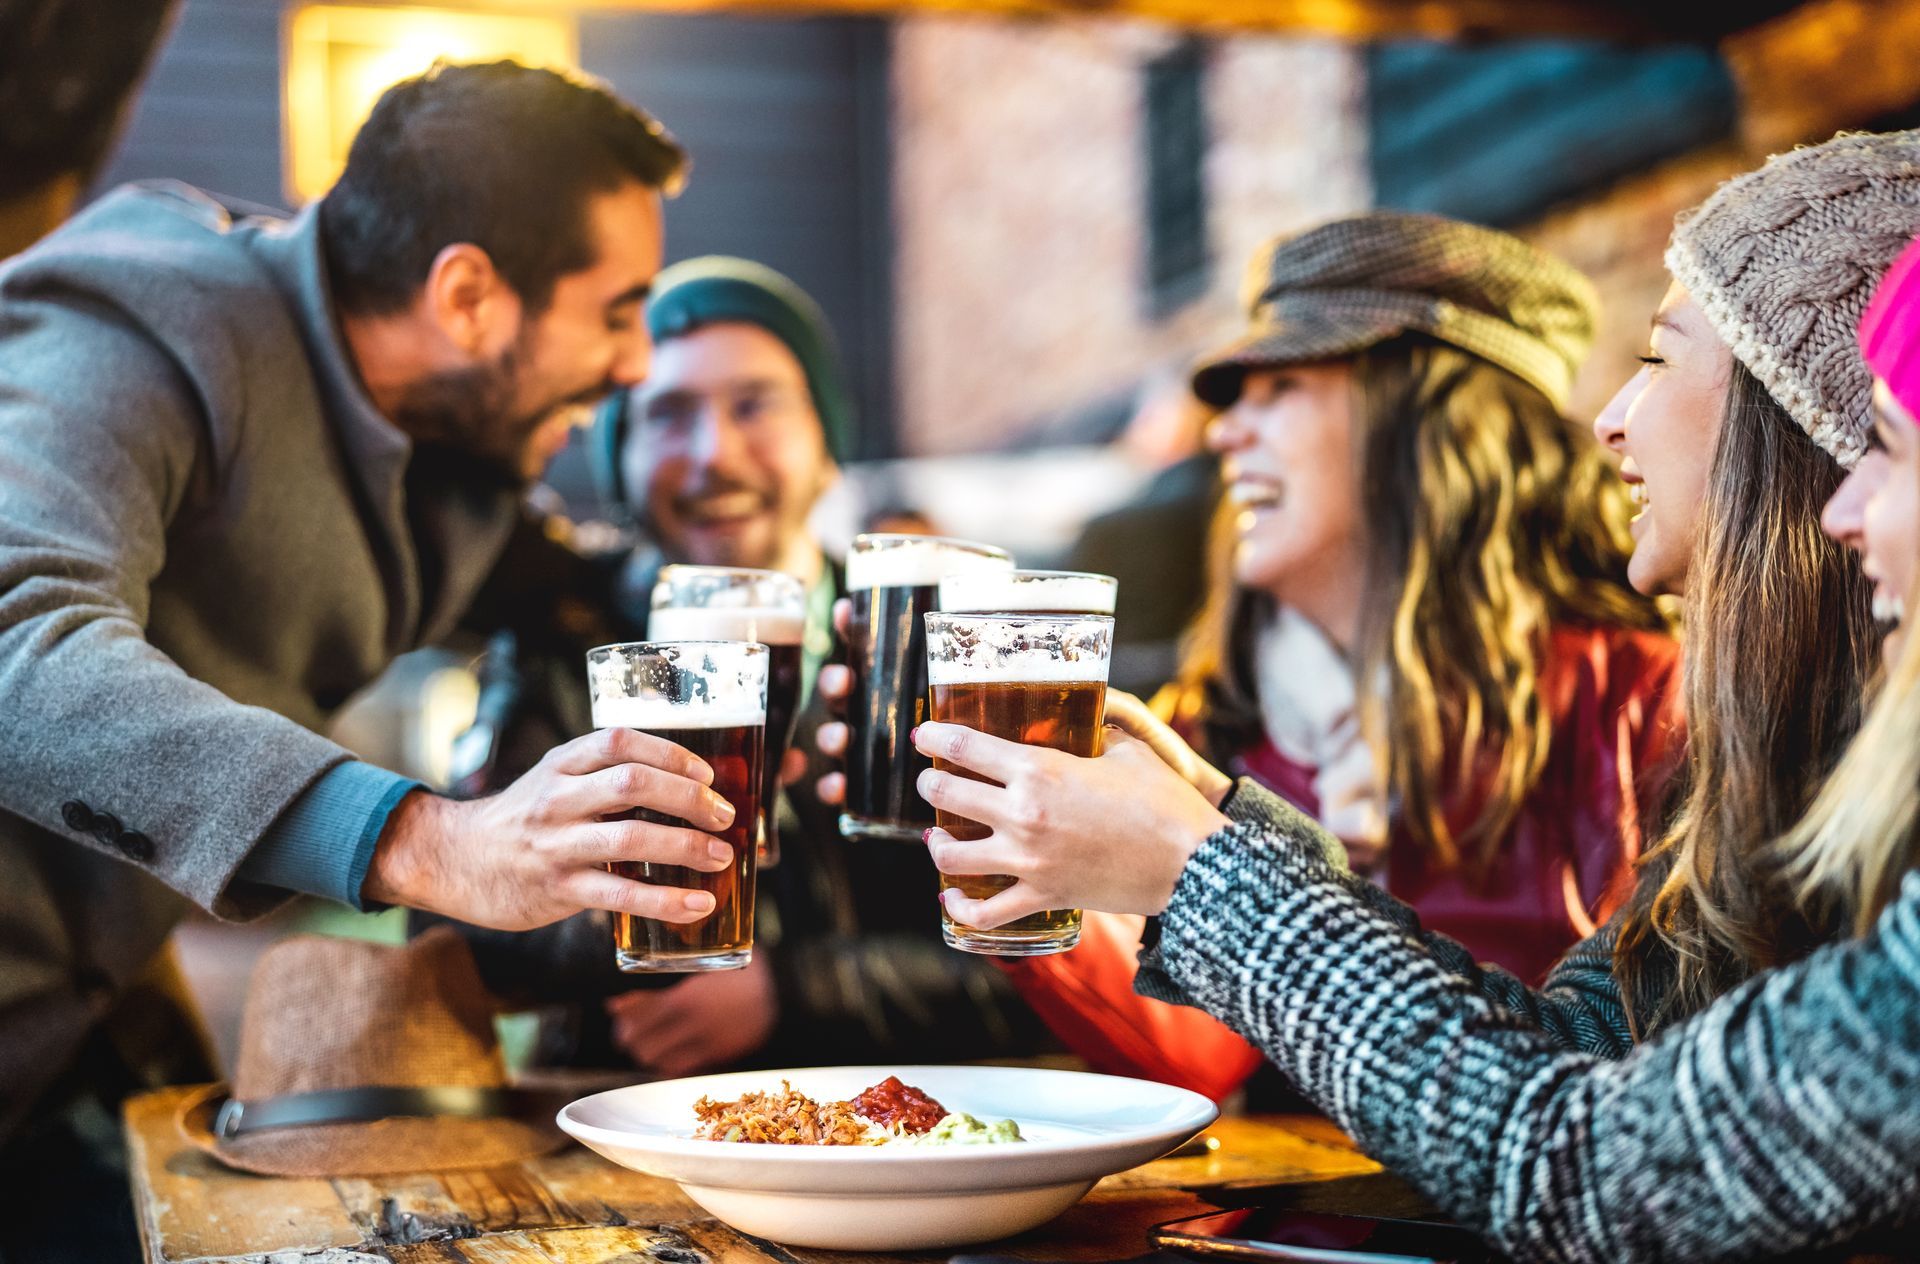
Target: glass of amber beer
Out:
[711,698]
[892,581]
[1037,679]
[728,603]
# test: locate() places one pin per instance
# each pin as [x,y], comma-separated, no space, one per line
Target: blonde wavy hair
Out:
[1844,861]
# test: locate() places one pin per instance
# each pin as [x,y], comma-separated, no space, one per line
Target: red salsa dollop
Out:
[891,1103]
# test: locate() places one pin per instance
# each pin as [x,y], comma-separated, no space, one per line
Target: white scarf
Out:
[1310,707]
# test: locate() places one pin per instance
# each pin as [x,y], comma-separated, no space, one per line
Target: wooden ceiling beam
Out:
[1635,20]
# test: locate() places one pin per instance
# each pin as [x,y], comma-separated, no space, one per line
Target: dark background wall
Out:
[786,121]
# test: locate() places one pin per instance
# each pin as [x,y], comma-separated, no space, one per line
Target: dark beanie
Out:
[715,289]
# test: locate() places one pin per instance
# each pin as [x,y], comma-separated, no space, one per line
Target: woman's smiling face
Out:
[1876,513]
[1664,423]
[1288,460]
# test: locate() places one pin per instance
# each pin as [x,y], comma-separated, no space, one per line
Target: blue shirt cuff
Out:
[322,844]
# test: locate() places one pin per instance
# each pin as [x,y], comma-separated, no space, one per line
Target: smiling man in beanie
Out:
[719,458]
[724,449]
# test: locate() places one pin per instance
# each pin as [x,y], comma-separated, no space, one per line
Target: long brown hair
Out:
[1780,647]
[1490,519]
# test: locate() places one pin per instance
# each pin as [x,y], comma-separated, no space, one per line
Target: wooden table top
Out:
[573,1207]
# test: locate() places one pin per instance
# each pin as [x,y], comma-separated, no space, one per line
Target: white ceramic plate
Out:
[896,1198]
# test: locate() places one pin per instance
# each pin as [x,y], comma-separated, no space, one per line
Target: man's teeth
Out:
[1637,493]
[1887,608]
[738,505]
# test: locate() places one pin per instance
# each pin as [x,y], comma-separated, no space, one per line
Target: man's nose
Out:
[632,359]
[717,441]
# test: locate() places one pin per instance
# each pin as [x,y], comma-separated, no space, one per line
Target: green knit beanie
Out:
[715,289]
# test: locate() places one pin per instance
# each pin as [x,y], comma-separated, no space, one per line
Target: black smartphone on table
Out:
[1282,1234]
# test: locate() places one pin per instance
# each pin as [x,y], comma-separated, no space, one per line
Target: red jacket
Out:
[1614,701]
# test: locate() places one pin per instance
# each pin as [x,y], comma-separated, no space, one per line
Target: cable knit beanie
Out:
[1783,260]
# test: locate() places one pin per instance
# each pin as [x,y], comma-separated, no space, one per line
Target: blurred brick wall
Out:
[1018,207]
[1018,156]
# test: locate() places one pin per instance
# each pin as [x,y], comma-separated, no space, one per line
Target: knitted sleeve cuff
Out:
[1152,979]
[1250,803]
[322,844]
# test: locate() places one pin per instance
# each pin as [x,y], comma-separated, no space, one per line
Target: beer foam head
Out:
[973,650]
[654,715]
[654,686]
[917,561]
[994,591]
[727,623]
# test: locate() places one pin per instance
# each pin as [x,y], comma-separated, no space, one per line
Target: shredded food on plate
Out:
[784,1118]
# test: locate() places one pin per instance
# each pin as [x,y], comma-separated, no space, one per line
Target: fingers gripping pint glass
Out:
[894,580]
[1029,592]
[725,603]
[710,697]
[1036,679]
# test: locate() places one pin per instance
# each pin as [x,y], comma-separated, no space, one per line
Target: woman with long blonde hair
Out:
[1773,1117]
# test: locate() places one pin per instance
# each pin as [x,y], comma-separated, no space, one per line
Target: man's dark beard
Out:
[464,411]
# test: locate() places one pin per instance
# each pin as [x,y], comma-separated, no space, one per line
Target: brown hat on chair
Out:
[1340,288]
[360,1058]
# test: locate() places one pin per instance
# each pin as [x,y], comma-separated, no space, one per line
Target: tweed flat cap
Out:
[1783,260]
[1346,285]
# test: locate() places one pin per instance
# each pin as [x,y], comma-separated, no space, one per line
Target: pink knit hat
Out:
[1890,330]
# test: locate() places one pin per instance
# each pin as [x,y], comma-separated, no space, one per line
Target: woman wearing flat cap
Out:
[1419,629]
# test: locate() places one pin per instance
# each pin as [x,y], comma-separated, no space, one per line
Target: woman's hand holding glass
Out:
[1110,832]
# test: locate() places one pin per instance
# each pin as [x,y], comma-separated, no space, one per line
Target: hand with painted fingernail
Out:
[1111,832]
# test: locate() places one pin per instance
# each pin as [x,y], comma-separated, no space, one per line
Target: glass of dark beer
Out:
[710,697]
[1029,592]
[892,581]
[728,603]
[1036,679]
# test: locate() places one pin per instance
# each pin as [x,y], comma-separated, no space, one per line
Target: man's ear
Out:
[470,302]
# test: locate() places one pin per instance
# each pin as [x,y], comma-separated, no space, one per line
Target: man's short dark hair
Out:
[501,155]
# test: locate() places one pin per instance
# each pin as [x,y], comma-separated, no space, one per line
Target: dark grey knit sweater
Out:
[1785,1116]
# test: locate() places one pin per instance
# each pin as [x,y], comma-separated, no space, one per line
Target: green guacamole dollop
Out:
[964,1129]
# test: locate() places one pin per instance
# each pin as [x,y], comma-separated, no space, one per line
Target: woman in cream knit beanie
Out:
[1782,261]
[1754,402]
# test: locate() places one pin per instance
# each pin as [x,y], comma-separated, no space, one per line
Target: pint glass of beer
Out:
[1029,592]
[1037,679]
[710,697]
[726,603]
[894,580]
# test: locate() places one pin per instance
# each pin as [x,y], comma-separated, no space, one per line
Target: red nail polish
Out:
[926,835]
[913,736]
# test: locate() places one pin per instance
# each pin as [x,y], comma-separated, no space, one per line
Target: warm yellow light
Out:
[340,58]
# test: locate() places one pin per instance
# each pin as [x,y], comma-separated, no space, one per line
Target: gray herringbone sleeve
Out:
[1579,1006]
[1783,1117]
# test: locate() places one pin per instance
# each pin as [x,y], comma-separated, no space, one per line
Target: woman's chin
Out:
[1651,577]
